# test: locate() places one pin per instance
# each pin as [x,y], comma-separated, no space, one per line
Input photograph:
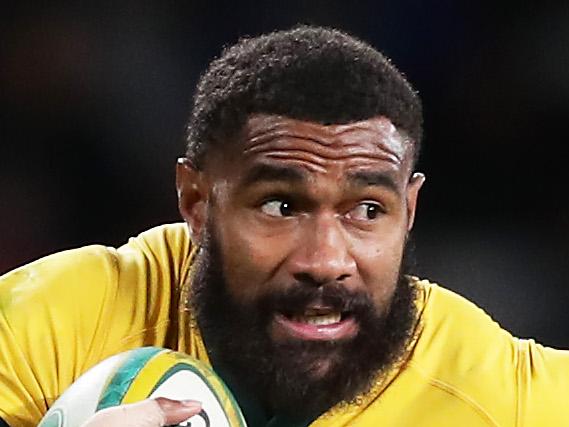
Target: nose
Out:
[322,254]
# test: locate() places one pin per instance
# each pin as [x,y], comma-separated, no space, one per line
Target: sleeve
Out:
[52,325]
[66,312]
[543,379]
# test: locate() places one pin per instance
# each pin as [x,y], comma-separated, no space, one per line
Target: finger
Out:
[148,413]
[141,414]
[176,411]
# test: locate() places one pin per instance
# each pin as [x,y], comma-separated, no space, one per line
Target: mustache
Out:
[294,298]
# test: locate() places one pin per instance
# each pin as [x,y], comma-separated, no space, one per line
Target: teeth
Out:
[319,319]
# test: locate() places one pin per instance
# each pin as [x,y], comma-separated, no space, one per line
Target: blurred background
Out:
[94,98]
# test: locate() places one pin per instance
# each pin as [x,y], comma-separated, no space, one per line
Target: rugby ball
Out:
[146,372]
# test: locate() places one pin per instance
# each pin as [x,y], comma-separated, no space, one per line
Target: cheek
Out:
[379,263]
[250,260]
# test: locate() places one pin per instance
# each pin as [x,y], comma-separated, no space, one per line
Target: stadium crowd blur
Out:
[95,96]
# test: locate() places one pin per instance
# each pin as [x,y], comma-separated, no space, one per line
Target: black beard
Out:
[287,377]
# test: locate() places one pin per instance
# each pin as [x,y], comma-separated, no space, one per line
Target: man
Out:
[298,192]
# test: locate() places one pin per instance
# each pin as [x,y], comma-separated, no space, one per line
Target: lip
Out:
[285,328]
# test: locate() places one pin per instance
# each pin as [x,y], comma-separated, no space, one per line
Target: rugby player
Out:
[288,275]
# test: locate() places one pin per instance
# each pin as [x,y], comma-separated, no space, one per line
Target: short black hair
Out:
[308,73]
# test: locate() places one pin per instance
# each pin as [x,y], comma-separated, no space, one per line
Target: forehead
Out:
[367,141]
[334,151]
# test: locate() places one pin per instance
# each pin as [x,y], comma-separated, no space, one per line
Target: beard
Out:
[297,377]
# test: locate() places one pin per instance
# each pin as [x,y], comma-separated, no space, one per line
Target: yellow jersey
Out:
[66,312]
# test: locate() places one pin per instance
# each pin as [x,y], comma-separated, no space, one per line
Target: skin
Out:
[293,202]
[147,413]
[297,201]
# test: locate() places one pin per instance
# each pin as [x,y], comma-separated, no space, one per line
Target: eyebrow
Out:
[375,179]
[271,173]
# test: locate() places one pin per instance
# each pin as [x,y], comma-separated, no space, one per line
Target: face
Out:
[303,227]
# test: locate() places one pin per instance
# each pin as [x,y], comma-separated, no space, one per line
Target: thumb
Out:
[147,413]
[176,411]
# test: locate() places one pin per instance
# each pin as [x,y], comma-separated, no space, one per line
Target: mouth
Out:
[318,323]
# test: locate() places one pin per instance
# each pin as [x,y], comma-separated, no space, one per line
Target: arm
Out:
[63,314]
[52,315]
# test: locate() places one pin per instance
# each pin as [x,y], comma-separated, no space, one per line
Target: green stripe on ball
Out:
[127,372]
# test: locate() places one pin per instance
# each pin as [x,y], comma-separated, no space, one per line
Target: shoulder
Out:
[56,274]
[462,352]
[49,317]
[454,326]
[93,269]
[80,306]
[163,253]
[134,284]
[79,292]
[166,240]
[465,356]
[449,318]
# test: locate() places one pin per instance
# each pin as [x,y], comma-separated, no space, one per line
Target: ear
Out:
[192,196]
[415,183]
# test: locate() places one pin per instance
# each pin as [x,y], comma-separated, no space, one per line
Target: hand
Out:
[148,413]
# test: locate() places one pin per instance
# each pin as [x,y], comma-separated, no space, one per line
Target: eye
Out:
[366,211]
[278,208]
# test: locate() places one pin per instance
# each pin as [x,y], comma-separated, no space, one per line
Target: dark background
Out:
[94,98]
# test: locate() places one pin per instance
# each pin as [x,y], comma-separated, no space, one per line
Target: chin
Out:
[321,369]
